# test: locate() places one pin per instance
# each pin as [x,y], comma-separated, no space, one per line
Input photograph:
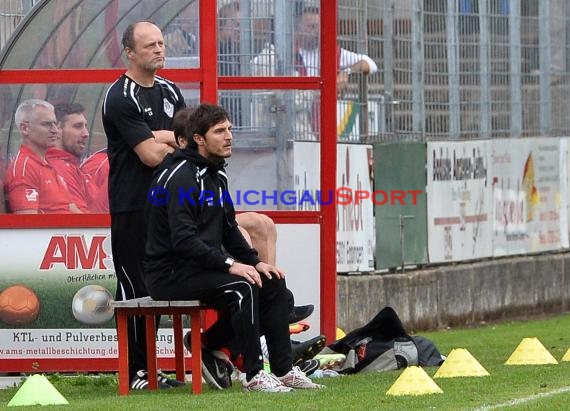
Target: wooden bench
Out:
[149,308]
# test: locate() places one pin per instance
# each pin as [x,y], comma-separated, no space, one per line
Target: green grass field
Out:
[523,387]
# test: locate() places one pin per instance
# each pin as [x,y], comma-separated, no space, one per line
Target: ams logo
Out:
[73,252]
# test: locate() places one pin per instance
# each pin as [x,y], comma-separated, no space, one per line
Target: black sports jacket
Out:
[190,217]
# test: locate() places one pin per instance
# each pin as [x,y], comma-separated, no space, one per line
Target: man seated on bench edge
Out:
[185,259]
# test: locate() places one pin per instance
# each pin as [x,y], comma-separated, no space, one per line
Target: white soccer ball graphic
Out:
[92,304]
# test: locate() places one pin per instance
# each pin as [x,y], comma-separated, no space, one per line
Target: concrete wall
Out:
[459,294]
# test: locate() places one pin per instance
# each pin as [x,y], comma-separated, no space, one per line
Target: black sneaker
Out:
[309,366]
[306,350]
[163,378]
[140,382]
[300,312]
[216,366]
[215,370]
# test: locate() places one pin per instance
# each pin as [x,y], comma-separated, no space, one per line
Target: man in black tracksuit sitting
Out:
[191,228]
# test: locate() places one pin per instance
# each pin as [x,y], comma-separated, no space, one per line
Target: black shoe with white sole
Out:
[163,378]
[215,371]
[216,366]
[309,366]
[140,381]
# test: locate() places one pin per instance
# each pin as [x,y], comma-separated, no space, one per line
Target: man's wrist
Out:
[229,262]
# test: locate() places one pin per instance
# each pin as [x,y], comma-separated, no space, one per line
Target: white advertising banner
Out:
[459,201]
[527,196]
[56,286]
[355,219]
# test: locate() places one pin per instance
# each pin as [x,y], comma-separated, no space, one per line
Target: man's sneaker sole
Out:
[308,349]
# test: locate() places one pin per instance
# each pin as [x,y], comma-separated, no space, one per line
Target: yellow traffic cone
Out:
[460,363]
[414,381]
[530,351]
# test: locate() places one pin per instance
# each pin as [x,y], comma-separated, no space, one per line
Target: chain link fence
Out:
[464,69]
[11,13]
[447,69]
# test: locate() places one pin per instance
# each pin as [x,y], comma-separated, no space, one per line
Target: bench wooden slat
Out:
[132,303]
[191,303]
[148,302]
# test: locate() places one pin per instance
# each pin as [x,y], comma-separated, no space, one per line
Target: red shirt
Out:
[33,184]
[97,168]
[67,166]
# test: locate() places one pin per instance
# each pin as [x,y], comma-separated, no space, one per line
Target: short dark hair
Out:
[62,110]
[128,40]
[197,120]
[180,124]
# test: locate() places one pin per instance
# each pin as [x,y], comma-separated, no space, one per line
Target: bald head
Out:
[144,47]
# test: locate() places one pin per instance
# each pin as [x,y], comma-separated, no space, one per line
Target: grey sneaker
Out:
[264,382]
[298,380]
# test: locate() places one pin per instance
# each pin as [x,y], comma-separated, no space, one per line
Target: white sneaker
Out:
[297,379]
[265,383]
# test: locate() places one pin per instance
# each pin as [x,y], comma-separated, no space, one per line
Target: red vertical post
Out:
[328,166]
[123,355]
[196,342]
[150,322]
[208,52]
[179,347]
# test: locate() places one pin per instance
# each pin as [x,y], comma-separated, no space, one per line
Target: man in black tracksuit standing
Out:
[196,251]
[137,116]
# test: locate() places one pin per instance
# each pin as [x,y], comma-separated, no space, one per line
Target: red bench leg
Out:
[179,348]
[195,327]
[151,351]
[123,343]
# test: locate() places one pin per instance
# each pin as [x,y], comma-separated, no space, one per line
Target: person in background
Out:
[32,185]
[137,117]
[65,157]
[307,61]
[96,167]
[229,56]
[308,55]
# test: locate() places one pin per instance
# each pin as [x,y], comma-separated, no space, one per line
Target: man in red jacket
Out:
[32,184]
[97,169]
[65,157]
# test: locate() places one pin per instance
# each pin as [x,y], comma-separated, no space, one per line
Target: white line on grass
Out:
[523,400]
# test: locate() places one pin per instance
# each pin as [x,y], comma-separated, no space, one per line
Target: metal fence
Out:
[466,69]
[11,13]
[448,69]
